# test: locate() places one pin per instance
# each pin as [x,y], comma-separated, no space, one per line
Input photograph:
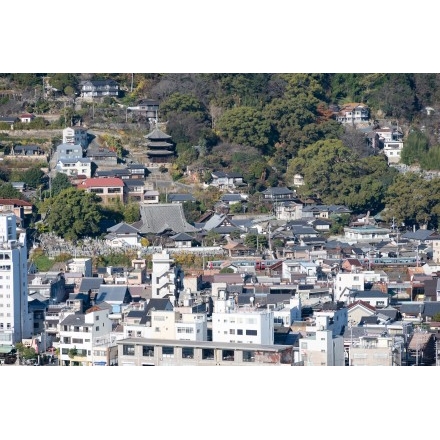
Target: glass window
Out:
[147,350]
[128,350]
[187,353]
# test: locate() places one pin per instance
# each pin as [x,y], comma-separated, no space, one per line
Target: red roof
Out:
[93,182]
[26,115]
[15,202]
[362,303]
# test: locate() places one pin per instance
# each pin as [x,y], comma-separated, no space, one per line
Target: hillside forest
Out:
[270,127]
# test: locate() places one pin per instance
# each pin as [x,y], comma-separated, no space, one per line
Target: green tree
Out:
[63,81]
[7,191]
[413,200]
[73,214]
[179,102]
[245,126]
[59,183]
[32,177]
[132,212]
[414,148]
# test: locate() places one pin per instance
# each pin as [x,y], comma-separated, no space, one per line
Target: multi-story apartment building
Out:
[166,277]
[99,88]
[248,324]
[164,352]
[77,331]
[15,320]
[69,151]
[75,167]
[321,347]
[76,135]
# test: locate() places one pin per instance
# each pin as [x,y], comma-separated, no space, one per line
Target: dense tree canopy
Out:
[73,214]
[413,200]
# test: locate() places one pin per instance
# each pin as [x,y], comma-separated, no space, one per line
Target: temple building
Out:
[160,149]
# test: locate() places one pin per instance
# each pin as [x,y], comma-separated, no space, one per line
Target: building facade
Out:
[15,321]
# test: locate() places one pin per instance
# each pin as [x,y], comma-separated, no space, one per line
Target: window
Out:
[228,355]
[187,353]
[232,331]
[187,330]
[207,354]
[168,352]
[248,356]
[251,332]
[148,350]
[77,341]
[128,350]
[239,331]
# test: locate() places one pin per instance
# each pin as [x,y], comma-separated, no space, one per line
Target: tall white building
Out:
[245,325]
[79,331]
[15,321]
[76,135]
[166,278]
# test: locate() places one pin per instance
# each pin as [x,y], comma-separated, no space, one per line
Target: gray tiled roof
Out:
[112,293]
[123,228]
[181,198]
[157,134]
[159,217]
[158,304]
[75,319]
[92,283]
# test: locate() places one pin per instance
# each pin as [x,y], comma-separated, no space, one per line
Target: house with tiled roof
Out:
[180,198]
[19,207]
[163,218]
[76,135]
[122,234]
[278,194]
[110,189]
[353,113]
[359,309]
[226,180]
[102,156]
[118,296]
[151,196]
[99,88]
[26,118]
[27,150]
[75,167]
[182,240]
[69,151]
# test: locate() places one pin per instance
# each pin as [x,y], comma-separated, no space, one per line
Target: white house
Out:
[247,324]
[393,150]
[76,135]
[75,167]
[77,332]
[320,347]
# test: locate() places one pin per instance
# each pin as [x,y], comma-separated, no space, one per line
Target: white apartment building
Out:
[344,282]
[303,267]
[75,135]
[245,325]
[15,321]
[165,277]
[320,347]
[81,265]
[393,151]
[78,331]
[75,167]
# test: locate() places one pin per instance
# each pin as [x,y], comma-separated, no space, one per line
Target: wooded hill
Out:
[271,126]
